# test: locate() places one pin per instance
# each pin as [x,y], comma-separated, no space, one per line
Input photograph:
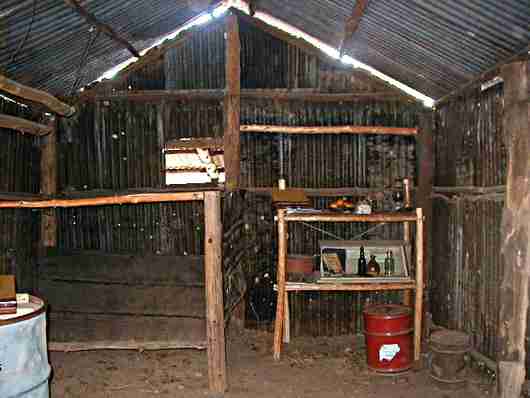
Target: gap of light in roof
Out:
[284,26]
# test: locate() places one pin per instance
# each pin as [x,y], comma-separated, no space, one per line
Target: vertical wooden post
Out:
[515,232]
[48,184]
[280,302]
[214,293]
[418,308]
[407,234]
[424,148]
[232,103]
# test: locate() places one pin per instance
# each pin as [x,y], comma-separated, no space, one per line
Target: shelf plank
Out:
[354,287]
[104,200]
[341,217]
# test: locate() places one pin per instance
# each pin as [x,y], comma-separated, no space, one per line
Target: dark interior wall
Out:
[19,173]
[117,144]
[467,267]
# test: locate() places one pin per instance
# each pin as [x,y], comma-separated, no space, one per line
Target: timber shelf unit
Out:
[281,325]
[212,257]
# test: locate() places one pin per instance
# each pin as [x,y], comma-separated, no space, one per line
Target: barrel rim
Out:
[25,317]
[407,311]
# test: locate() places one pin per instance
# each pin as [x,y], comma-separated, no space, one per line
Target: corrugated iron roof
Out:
[432,46]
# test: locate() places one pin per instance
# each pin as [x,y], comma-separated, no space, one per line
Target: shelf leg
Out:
[280,304]
[418,310]
[286,321]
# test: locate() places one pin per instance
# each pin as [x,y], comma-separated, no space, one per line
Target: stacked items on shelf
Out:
[8,297]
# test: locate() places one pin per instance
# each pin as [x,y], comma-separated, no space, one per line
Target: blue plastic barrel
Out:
[24,367]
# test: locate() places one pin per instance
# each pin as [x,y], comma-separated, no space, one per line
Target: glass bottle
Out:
[361,263]
[392,263]
[373,267]
[387,264]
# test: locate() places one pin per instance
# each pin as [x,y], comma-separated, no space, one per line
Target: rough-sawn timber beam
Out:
[31,94]
[24,125]
[102,27]
[259,128]
[105,200]
[352,23]
[309,95]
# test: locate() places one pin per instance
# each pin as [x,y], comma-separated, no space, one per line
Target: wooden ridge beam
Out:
[102,27]
[104,200]
[255,128]
[32,94]
[352,23]
[24,125]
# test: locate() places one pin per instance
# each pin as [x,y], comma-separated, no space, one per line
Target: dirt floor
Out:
[323,367]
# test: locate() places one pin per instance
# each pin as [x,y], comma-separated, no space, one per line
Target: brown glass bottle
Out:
[373,267]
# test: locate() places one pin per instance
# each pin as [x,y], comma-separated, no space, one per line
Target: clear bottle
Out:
[387,264]
[392,264]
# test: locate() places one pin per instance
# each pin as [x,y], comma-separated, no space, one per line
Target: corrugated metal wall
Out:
[19,172]
[120,144]
[467,266]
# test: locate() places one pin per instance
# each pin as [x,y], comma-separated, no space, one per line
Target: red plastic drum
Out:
[388,333]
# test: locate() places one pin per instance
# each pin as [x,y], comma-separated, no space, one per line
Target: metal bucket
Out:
[24,367]
[388,333]
[448,361]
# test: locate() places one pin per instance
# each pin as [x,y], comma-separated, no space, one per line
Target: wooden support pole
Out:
[23,125]
[259,128]
[515,232]
[425,167]
[418,307]
[280,302]
[103,200]
[214,292]
[352,23]
[102,27]
[232,103]
[34,95]
[48,185]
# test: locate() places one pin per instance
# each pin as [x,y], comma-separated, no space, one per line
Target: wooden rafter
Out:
[31,94]
[352,23]
[102,27]
[24,125]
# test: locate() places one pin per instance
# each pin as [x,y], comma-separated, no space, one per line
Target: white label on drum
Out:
[387,352]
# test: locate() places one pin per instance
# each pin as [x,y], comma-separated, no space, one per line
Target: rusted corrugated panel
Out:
[111,145]
[19,172]
[46,42]
[327,161]
[433,47]
[184,119]
[200,62]
[467,268]
[172,228]
[469,145]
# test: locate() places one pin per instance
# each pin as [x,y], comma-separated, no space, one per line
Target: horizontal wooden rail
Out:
[105,200]
[24,125]
[309,95]
[34,95]
[258,128]
[344,287]
[328,192]
[340,217]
